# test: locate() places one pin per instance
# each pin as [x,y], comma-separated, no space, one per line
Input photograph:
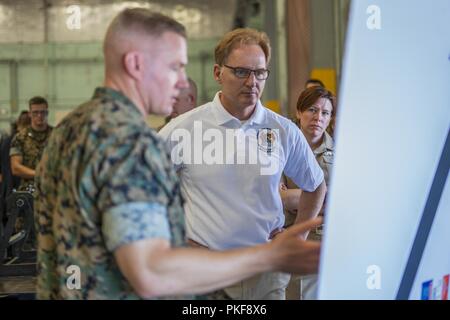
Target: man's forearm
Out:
[154,269]
[22,171]
[183,268]
[310,203]
[206,270]
[290,198]
[191,270]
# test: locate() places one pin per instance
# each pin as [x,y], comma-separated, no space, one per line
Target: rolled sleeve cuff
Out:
[320,177]
[14,152]
[134,221]
[311,182]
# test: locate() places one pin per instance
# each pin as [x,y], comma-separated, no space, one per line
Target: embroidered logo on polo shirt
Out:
[267,139]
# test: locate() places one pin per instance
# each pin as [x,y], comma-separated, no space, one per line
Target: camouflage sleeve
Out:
[131,222]
[126,184]
[47,280]
[16,148]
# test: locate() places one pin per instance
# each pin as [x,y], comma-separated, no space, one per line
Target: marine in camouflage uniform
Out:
[29,144]
[105,180]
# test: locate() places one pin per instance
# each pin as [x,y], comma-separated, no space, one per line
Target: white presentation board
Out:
[427,272]
[393,121]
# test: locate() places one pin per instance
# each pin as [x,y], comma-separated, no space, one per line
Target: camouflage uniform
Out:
[325,157]
[29,144]
[306,286]
[105,180]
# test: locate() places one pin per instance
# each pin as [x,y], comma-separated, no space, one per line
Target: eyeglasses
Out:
[244,73]
[35,113]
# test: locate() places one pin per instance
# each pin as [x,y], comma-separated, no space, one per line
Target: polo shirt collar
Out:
[222,116]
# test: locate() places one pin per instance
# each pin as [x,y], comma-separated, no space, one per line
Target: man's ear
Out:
[217,73]
[133,64]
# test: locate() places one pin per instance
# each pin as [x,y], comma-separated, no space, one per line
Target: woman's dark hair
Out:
[315,82]
[310,96]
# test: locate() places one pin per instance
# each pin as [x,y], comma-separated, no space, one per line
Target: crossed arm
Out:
[19,170]
[310,203]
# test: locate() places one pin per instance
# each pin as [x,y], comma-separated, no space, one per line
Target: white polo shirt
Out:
[230,172]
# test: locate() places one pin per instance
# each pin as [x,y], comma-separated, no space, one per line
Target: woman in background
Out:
[315,111]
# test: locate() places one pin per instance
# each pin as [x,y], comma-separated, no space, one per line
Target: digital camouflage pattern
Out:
[29,144]
[101,158]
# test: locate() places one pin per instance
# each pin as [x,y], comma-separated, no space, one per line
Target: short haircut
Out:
[144,21]
[239,37]
[314,81]
[37,100]
[309,96]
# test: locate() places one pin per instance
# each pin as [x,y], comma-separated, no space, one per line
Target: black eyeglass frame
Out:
[249,71]
[35,113]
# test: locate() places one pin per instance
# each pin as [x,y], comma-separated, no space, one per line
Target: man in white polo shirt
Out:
[230,154]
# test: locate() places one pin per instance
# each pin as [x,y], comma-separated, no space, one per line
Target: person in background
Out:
[186,100]
[3,136]
[314,83]
[315,109]
[24,120]
[29,142]
[250,211]
[8,182]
